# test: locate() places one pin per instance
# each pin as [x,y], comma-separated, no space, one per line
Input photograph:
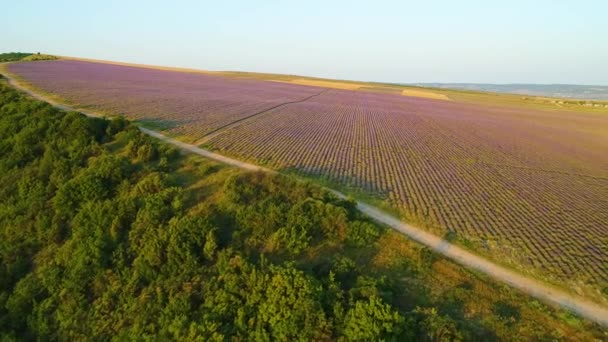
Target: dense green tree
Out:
[436,327]
[373,320]
[13,56]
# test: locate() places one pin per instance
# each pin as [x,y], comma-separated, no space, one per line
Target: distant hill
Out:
[587,92]
[13,56]
[25,56]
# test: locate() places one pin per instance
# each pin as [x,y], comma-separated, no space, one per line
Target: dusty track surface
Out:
[530,286]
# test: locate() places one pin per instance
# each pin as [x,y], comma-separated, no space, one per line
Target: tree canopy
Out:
[25,56]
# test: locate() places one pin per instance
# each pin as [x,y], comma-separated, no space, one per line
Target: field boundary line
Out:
[218,130]
[535,288]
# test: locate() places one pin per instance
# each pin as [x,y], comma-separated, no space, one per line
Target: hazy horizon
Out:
[303,75]
[546,42]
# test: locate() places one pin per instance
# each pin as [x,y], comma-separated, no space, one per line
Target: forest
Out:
[13,56]
[108,234]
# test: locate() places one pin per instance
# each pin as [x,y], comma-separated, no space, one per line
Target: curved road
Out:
[535,288]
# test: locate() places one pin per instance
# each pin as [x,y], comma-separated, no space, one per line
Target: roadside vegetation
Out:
[105,232]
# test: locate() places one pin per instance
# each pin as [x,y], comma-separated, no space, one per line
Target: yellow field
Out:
[325,84]
[424,93]
[359,86]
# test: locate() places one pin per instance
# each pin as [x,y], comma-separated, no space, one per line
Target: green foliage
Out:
[289,307]
[22,56]
[39,57]
[373,320]
[13,56]
[361,233]
[436,327]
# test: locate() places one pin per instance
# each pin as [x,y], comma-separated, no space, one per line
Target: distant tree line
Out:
[13,56]
[23,56]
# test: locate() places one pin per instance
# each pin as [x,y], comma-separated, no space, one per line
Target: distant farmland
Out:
[590,92]
[526,184]
[192,104]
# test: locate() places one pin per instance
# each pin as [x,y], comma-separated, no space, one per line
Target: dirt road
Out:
[581,306]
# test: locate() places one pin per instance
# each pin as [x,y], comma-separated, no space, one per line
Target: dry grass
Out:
[39,57]
[394,249]
[424,93]
[325,84]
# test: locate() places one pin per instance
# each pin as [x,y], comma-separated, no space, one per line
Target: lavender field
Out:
[184,103]
[512,184]
[527,185]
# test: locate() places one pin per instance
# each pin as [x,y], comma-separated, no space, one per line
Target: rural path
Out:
[530,286]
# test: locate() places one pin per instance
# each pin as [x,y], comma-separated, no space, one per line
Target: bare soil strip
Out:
[530,286]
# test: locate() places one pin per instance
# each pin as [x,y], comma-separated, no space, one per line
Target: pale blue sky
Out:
[515,41]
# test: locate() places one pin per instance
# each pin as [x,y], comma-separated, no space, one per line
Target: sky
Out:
[515,41]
